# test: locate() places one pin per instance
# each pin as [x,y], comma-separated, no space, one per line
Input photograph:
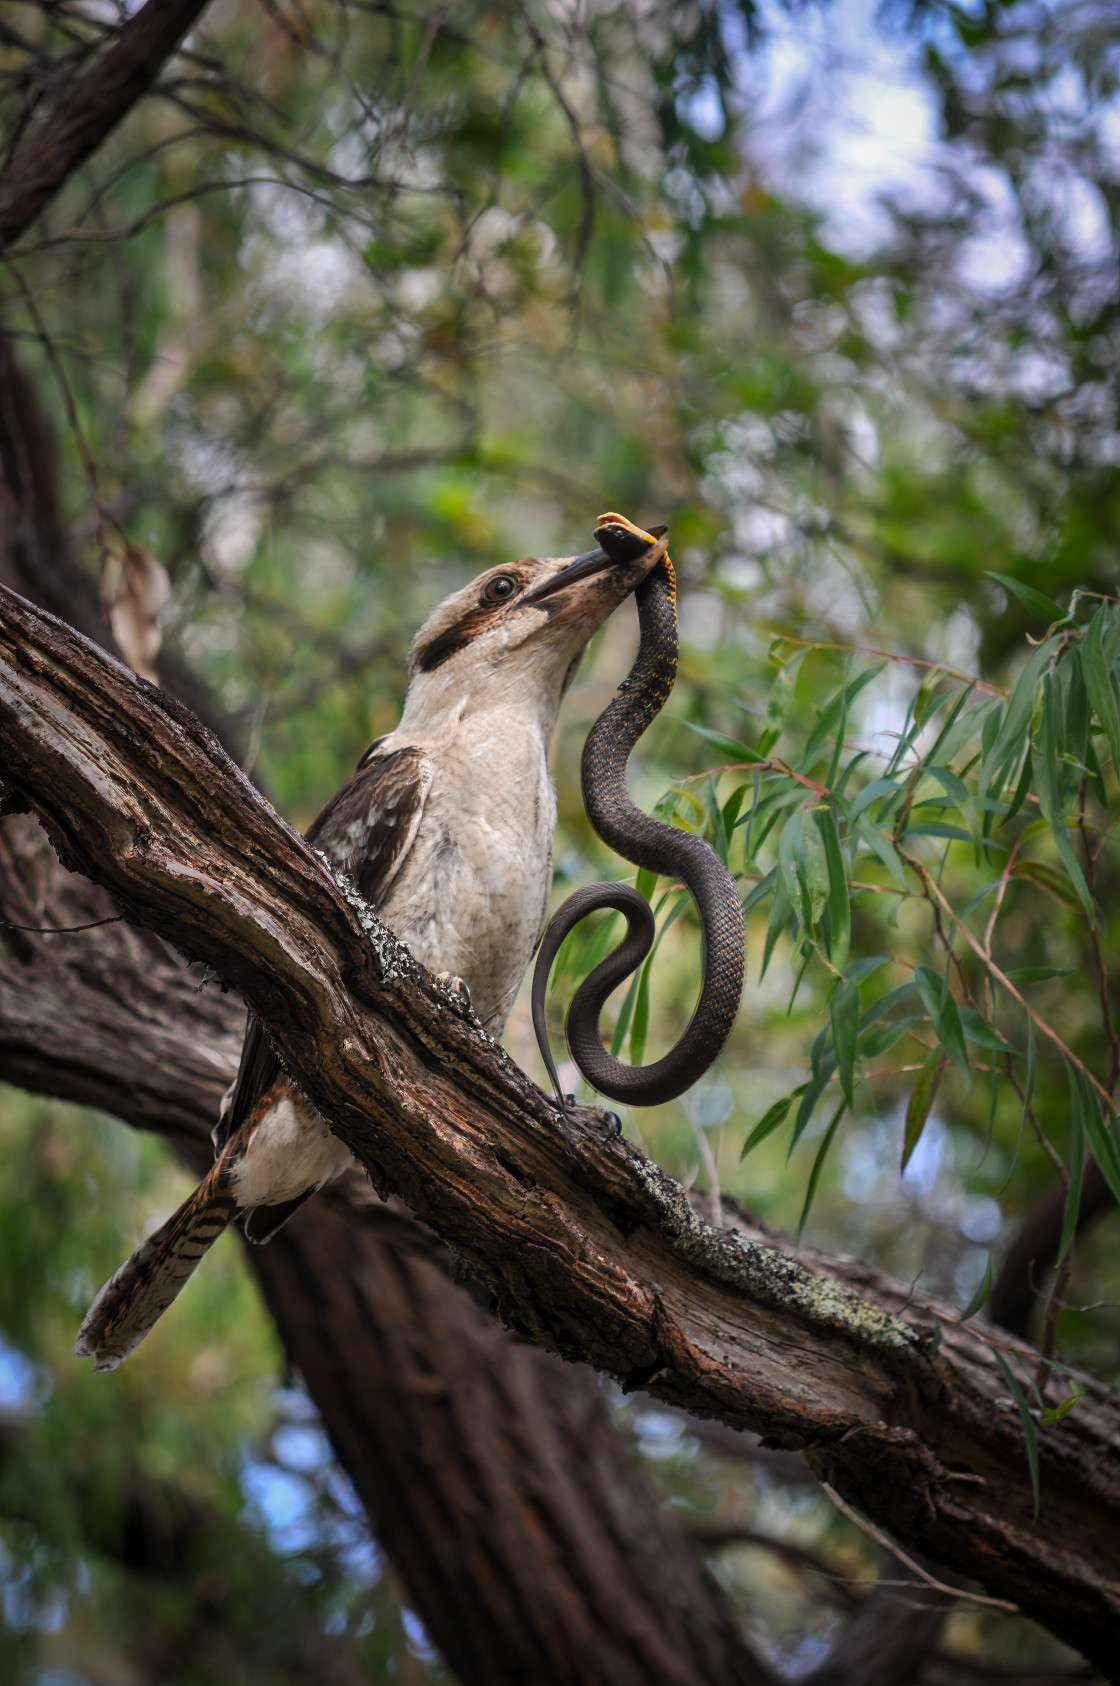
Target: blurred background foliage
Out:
[371,296]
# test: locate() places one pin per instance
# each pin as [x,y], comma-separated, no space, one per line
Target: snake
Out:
[652,846]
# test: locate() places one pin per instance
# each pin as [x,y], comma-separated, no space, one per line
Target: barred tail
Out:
[145,1285]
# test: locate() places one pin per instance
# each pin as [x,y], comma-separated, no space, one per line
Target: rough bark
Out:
[492,1476]
[87,110]
[585,1244]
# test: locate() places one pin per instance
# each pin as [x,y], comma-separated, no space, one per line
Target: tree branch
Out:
[586,1245]
[496,1482]
[87,111]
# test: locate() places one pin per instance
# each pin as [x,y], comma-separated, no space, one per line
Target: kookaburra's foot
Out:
[457,986]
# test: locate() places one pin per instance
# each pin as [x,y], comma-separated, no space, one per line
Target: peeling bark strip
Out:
[88,110]
[588,1246]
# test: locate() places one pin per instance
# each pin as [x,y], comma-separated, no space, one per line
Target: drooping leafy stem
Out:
[977,778]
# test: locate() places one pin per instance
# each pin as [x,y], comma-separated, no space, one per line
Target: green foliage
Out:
[975,785]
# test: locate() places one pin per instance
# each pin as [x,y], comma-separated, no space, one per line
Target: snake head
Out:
[622,540]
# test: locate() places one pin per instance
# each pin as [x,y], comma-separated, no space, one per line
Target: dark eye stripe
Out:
[445,644]
[434,654]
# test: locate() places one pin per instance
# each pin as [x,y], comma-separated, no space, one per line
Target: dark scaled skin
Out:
[647,843]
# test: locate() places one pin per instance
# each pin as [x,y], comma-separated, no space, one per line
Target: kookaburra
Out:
[446,830]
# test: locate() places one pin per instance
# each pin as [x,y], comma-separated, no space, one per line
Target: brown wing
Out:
[366,830]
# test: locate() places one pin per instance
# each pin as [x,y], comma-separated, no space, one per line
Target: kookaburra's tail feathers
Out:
[142,1289]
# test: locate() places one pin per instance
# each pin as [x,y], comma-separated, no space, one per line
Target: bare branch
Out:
[88,110]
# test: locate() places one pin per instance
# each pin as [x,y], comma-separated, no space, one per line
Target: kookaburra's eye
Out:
[500,589]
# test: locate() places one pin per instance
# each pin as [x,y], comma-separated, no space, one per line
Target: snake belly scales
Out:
[646,843]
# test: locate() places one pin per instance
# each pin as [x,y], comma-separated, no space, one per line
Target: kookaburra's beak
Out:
[595,562]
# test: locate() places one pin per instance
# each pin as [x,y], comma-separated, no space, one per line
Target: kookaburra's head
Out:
[515,635]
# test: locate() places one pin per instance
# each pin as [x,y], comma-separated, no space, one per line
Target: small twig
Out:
[1065,1305]
[60,930]
[709,1536]
[1001,977]
[55,362]
[1040,1135]
[763,767]
[908,661]
[1005,879]
[588,175]
[435,23]
[884,1540]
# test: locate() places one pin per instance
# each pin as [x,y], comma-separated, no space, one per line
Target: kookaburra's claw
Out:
[457,986]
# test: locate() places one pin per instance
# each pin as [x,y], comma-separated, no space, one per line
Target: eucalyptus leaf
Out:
[946,1019]
[1044,607]
[1015,727]
[880,1038]
[844,1016]
[733,748]
[818,1166]
[881,845]
[772,1119]
[839,906]
[873,793]
[1030,1434]
[922,1097]
[1038,974]
[1045,764]
[1101,684]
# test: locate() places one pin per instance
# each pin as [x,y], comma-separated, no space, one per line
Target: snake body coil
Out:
[649,844]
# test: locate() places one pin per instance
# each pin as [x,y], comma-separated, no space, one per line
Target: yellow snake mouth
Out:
[617,535]
[613,519]
[620,542]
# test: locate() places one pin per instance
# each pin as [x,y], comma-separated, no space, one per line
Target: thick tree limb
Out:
[495,1481]
[86,111]
[587,1246]
[397,1357]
